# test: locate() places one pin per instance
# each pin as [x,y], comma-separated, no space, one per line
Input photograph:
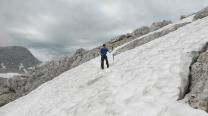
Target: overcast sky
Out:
[58,27]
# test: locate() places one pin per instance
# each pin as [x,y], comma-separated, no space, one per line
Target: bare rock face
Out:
[155,26]
[6,94]
[149,38]
[158,25]
[120,40]
[16,59]
[141,31]
[80,51]
[201,14]
[82,56]
[198,90]
[182,17]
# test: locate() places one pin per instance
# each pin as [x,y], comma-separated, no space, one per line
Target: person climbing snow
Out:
[103,53]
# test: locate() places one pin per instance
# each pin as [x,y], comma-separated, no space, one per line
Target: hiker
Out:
[103,53]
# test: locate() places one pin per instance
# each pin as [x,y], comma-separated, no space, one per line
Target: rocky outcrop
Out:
[16,59]
[141,31]
[157,25]
[197,95]
[6,94]
[182,17]
[149,38]
[201,14]
[122,39]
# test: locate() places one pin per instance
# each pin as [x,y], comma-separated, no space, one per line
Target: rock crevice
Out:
[197,91]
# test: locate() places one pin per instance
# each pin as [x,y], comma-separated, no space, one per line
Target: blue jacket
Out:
[103,51]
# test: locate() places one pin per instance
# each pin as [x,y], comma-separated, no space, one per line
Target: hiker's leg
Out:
[106,59]
[102,62]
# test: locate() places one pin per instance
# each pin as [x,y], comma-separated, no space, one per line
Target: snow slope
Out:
[144,81]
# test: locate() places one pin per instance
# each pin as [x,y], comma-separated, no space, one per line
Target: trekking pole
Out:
[113,57]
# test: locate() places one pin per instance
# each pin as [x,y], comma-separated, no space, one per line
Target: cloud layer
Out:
[58,27]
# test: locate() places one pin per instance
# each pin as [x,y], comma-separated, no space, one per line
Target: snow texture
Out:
[8,75]
[145,81]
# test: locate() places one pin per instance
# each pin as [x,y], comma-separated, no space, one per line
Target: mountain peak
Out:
[12,58]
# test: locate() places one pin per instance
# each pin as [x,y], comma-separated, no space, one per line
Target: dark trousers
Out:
[102,61]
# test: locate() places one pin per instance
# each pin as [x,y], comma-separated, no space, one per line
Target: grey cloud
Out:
[60,26]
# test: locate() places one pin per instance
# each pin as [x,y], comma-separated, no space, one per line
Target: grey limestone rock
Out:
[141,31]
[158,25]
[182,17]
[201,14]
[6,93]
[149,38]
[15,59]
[198,88]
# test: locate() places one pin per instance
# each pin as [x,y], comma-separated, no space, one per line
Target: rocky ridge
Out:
[201,14]
[149,37]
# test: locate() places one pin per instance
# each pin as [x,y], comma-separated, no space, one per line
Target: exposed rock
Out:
[158,25]
[7,97]
[141,31]
[80,51]
[201,14]
[198,88]
[120,40]
[84,57]
[149,38]
[16,59]
[6,94]
[182,17]
[155,26]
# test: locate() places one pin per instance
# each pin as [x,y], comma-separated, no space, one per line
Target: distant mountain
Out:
[16,59]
